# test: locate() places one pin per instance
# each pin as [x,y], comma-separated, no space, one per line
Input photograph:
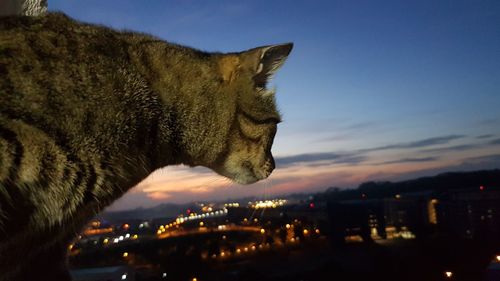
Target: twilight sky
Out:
[373,90]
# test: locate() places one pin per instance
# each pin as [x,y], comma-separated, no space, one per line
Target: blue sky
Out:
[372,90]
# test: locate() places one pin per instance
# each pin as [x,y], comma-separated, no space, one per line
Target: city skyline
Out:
[371,91]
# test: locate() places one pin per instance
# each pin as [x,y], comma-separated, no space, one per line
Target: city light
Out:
[125,254]
[262,230]
[267,204]
[164,275]
[498,258]
[448,274]
[124,276]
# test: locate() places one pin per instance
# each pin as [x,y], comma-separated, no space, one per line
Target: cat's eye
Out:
[256,130]
[261,120]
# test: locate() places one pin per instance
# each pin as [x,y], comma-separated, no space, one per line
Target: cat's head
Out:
[247,157]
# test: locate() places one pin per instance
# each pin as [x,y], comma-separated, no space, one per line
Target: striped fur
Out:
[87,112]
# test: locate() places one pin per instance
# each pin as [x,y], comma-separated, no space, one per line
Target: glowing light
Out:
[158,232]
[202,223]
[127,235]
[311,205]
[448,274]
[317,231]
[164,275]
[498,258]
[255,220]
[120,238]
[194,279]
[124,276]
[287,226]
[246,249]
[116,240]
[70,247]
[238,250]
[135,236]
[267,203]
[125,254]
[222,254]
[398,196]
[253,248]
[126,226]
[105,241]
[481,188]
[262,230]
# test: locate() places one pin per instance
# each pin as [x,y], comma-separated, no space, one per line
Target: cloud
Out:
[409,160]
[349,131]
[417,144]
[485,162]
[495,141]
[318,158]
[461,147]
[490,121]
[488,160]
[485,136]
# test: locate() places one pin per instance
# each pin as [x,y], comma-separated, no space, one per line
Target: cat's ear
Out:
[268,60]
[228,67]
[262,62]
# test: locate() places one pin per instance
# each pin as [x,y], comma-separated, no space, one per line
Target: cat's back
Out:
[54,34]
[56,44]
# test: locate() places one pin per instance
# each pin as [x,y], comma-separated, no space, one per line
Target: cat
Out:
[87,112]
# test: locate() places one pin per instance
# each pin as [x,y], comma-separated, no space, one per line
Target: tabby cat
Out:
[87,112]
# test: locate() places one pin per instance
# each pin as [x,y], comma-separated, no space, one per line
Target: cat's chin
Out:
[245,180]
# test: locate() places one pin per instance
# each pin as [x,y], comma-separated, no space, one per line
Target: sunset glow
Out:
[369,92]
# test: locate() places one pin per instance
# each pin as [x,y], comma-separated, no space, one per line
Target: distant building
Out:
[110,273]
[467,213]
[473,214]
[404,215]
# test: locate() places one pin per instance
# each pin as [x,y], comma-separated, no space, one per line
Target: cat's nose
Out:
[269,166]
